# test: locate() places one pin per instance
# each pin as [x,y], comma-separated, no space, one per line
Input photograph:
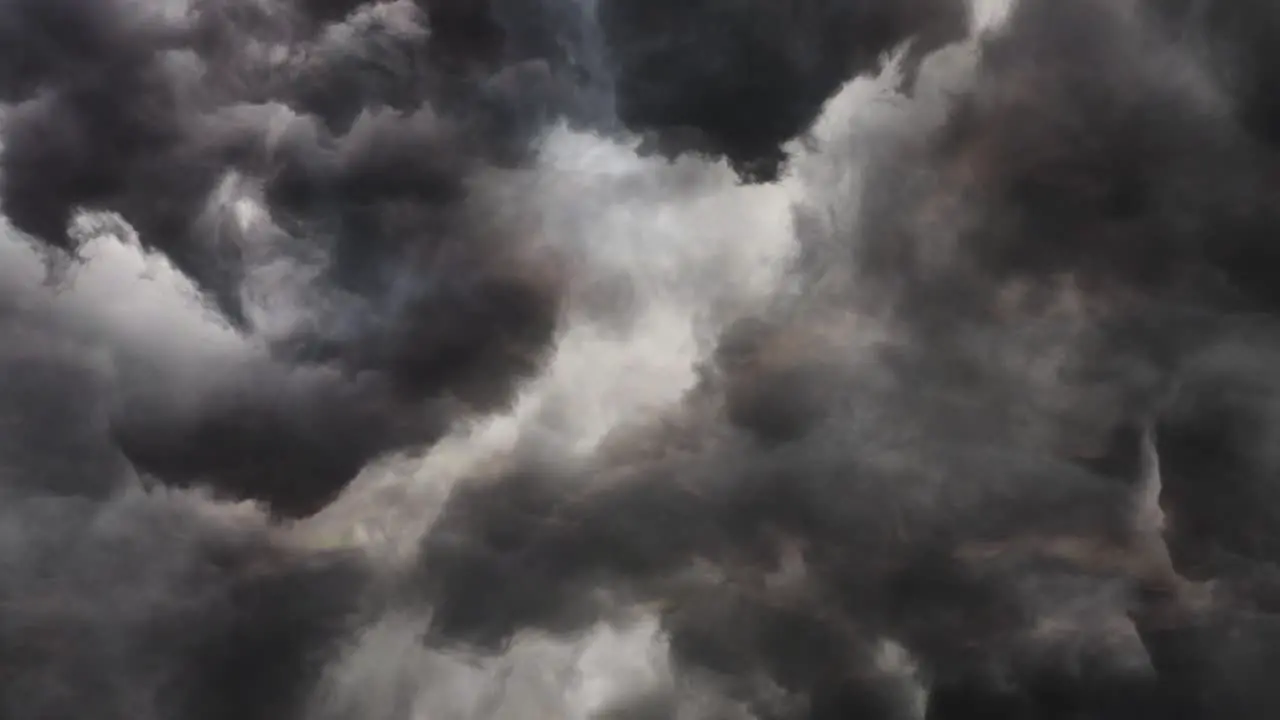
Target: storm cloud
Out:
[618,359]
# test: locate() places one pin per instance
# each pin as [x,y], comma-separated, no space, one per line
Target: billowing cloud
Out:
[616,359]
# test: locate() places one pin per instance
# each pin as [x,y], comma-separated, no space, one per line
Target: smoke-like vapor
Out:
[612,359]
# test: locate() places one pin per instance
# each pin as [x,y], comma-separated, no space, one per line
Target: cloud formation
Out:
[615,359]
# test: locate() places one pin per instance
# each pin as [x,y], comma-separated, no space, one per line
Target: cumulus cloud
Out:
[611,359]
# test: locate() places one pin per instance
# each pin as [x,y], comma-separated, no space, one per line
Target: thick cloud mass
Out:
[609,359]
[740,77]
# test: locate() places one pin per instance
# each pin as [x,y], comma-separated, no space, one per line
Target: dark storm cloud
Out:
[1055,279]
[145,608]
[1059,266]
[962,552]
[742,78]
[55,417]
[363,152]
[364,130]
[124,600]
[1236,40]
[123,603]
[732,79]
